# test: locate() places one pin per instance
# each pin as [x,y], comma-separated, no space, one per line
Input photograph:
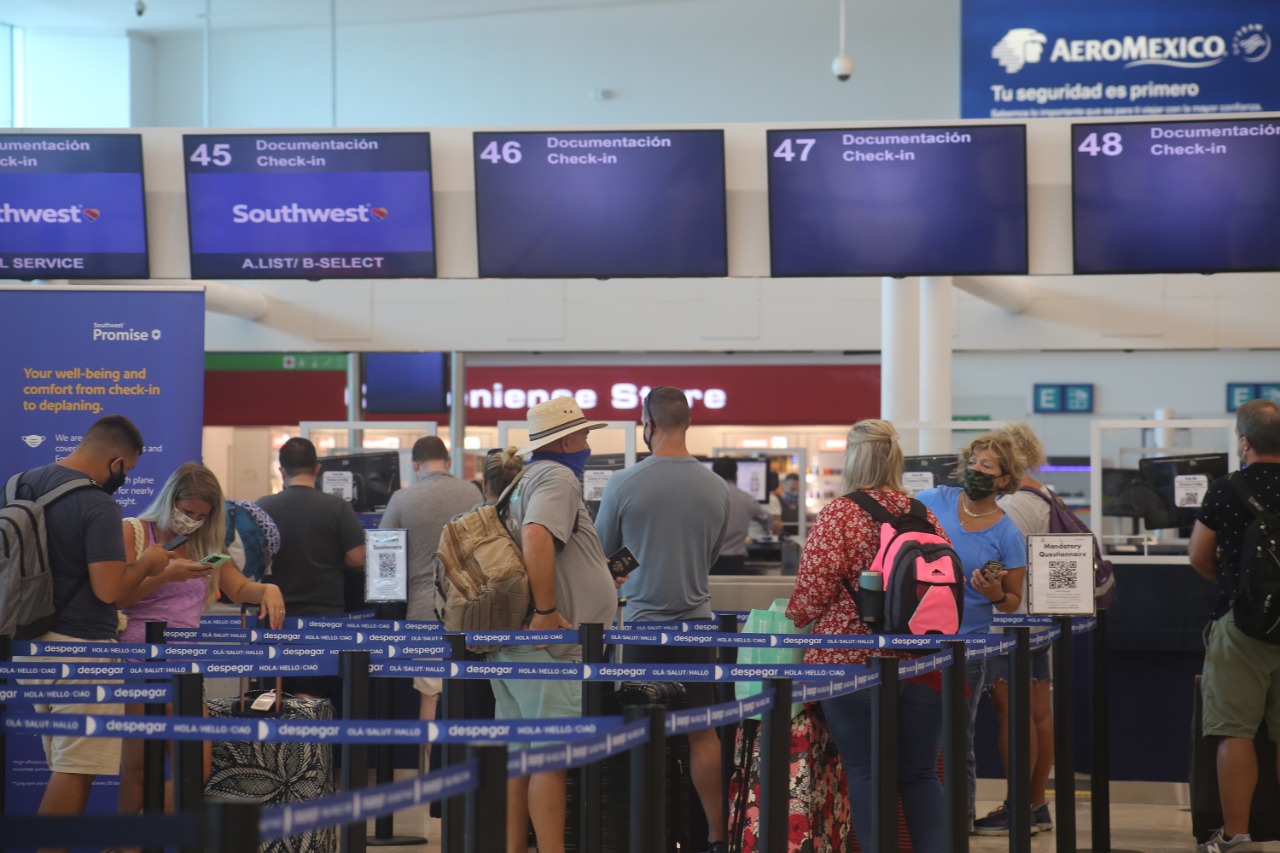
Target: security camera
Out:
[139,8]
[841,66]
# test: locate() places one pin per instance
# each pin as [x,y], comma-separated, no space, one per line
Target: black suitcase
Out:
[1206,807]
[273,773]
[615,794]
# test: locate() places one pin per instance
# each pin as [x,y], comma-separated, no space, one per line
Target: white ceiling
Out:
[170,15]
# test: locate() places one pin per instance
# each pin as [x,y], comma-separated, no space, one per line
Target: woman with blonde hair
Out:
[190,504]
[991,549]
[841,546]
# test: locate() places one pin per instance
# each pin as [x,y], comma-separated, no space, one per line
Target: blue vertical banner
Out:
[1080,58]
[75,354]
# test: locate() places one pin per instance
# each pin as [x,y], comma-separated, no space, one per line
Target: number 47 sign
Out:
[1060,574]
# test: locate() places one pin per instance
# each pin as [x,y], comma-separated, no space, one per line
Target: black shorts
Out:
[698,694]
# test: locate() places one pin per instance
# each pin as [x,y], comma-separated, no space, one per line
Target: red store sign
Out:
[792,394]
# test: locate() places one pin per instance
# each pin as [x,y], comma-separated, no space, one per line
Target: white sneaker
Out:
[1219,843]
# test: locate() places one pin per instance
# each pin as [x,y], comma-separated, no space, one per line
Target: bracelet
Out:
[1002,600]
[544,612]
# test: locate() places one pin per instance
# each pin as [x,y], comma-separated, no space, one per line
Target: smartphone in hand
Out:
[991,569]
[215,561]
[622,562]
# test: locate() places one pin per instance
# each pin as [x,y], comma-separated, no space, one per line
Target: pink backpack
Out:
[923,578]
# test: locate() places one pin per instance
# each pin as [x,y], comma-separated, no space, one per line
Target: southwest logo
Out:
[93,213]
[379,212]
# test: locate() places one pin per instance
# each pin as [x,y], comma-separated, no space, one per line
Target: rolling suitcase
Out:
[1206,807]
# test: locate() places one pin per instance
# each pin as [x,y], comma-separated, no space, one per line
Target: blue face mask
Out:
[575,462]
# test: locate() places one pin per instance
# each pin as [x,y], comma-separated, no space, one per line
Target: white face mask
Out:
[183,524]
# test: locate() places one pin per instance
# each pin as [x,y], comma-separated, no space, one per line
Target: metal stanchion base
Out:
[410,840]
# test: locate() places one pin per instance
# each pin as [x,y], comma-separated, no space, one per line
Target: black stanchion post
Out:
[955,748]
[153,750]
[353,668]
[231,827]
[486,805]
[884,759]
[727,623]
[188,755]
[384,753]
[1064,743]
[590,776]
[1020,743]
[775,767]
[648,827]
[453,827]
[1100,778]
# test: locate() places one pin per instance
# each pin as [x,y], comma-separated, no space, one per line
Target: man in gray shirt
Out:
[743,509]
[422,510]
[672,513]
[570,585]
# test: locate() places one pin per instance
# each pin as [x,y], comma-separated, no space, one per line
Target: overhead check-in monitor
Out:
[900,201]
[617,204]
[1176,196]
[311,206]
[72,206]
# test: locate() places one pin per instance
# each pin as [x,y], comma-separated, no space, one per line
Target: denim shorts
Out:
[998,667]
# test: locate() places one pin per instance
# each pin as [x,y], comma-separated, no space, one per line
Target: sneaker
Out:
[997,823]
[1218,842]
[1041,818]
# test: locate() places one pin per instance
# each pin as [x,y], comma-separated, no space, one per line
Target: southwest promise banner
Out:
[1080,58]
[71,355]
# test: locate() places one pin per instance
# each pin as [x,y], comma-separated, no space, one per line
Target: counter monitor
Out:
[310,206]
[601,204]
[72,206]
[1176,197]
[900,201]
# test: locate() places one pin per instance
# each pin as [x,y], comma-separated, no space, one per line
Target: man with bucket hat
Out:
[570,585]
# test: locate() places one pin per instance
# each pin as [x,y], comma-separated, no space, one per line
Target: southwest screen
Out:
[71,206]
[1166,197]
[898,201]
[322,205]
[600,205]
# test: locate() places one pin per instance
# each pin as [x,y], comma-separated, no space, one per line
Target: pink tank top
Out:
[179,604]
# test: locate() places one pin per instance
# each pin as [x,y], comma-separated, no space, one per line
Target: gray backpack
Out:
[26,581]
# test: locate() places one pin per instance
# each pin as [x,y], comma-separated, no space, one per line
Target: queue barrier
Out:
[579,752]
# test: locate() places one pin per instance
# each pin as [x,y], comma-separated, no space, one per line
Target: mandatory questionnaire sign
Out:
[1060,574]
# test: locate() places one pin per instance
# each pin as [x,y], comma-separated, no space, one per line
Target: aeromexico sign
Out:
[1096,58]
[717,394]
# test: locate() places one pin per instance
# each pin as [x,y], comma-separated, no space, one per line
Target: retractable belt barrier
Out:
[310,646]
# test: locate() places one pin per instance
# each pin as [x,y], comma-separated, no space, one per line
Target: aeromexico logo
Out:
[51,215]
[294,214]
[1022,46]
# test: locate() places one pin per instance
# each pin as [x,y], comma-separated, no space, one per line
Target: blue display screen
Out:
[898,201]
[323,205]
[72,206]
[601,205]
[404,383]
[1168,197]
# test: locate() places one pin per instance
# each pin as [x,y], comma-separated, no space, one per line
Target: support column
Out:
[935,362]
[458,412]
[899,352]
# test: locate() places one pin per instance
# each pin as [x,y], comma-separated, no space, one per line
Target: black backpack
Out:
[1256,601]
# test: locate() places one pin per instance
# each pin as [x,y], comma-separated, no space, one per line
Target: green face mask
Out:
[978,484]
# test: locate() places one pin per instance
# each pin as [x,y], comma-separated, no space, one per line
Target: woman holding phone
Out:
[188,518]
[991,548]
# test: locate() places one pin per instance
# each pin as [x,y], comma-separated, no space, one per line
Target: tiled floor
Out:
[1142,828]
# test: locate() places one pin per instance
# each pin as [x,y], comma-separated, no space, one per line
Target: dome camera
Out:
[842,67]
[139,8]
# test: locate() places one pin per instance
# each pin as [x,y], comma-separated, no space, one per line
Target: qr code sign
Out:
[386,566]
[1062,574]
[337,492]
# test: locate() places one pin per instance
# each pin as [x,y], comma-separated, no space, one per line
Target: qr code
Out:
[386,566]
[1062,574]
[337,492]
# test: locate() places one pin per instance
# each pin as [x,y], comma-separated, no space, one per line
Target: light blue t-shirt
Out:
[1001,541]
[672,513]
